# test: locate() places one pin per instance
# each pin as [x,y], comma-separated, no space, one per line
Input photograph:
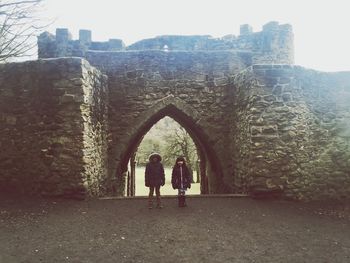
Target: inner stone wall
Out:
[293,129]
[274,44]
[51,112]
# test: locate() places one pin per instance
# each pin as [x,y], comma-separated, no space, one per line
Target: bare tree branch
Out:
[19,26]
[18,3]
[179,143]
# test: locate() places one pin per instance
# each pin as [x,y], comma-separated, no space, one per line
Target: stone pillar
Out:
[46,45]
[276,45]
[246,30]
[63,37]
[85,36]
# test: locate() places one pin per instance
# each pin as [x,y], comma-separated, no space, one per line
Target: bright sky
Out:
[321,27]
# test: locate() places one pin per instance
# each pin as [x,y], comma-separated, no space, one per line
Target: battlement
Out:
[274,44]
[62,45]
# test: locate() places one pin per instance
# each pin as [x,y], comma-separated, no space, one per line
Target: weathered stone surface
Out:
[266,129]
[145,86]
[51,143]
[294,145]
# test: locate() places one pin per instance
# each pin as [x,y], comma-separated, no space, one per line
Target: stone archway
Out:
[186,116]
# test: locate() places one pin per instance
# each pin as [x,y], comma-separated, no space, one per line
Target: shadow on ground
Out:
[208,230]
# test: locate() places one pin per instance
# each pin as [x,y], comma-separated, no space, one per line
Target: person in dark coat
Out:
[154,178]
[181,180]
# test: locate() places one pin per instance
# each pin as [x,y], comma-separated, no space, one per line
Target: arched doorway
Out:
[170,140]
[187,117]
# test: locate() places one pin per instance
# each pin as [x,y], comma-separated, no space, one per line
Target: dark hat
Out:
[180,158]
[155,155]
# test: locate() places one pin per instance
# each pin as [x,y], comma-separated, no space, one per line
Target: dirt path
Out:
[208,230]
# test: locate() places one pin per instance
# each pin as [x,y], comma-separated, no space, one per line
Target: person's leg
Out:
[159,204]
[150,197]
[184,200]
[181,197]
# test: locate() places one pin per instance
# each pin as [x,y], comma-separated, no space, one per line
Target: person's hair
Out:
[155,155]
[180,158]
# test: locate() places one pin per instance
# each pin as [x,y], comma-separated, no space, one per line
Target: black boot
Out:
[179,200]
[184,201]
[159,202]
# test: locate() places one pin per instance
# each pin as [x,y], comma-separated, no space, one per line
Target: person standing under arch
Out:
[181,179]
[154,178]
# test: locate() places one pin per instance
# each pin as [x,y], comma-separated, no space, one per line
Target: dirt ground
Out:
[208,230]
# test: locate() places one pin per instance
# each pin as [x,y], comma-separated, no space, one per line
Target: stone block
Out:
[269,98]
[287,97]
[78,82]
[67,98]
[269,130]
[255,130]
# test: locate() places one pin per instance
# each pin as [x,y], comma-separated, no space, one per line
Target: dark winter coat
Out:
[177,180]
[154,174]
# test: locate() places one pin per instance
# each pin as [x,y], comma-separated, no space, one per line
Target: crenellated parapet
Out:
[272,45]
[62,45]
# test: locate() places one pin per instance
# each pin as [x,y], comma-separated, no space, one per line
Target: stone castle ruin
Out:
[70,121]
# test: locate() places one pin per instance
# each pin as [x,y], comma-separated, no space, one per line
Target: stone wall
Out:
[67,129]
[324,154]
[191,87]
[291,132]
[48,111]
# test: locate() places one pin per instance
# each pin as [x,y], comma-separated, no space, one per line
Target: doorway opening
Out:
[171,140]
[210,170]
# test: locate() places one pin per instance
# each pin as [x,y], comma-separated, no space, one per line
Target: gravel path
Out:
[208,230]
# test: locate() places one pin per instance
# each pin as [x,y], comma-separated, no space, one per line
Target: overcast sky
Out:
[321,27]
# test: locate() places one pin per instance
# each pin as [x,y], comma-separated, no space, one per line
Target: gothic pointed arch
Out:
[186,116]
